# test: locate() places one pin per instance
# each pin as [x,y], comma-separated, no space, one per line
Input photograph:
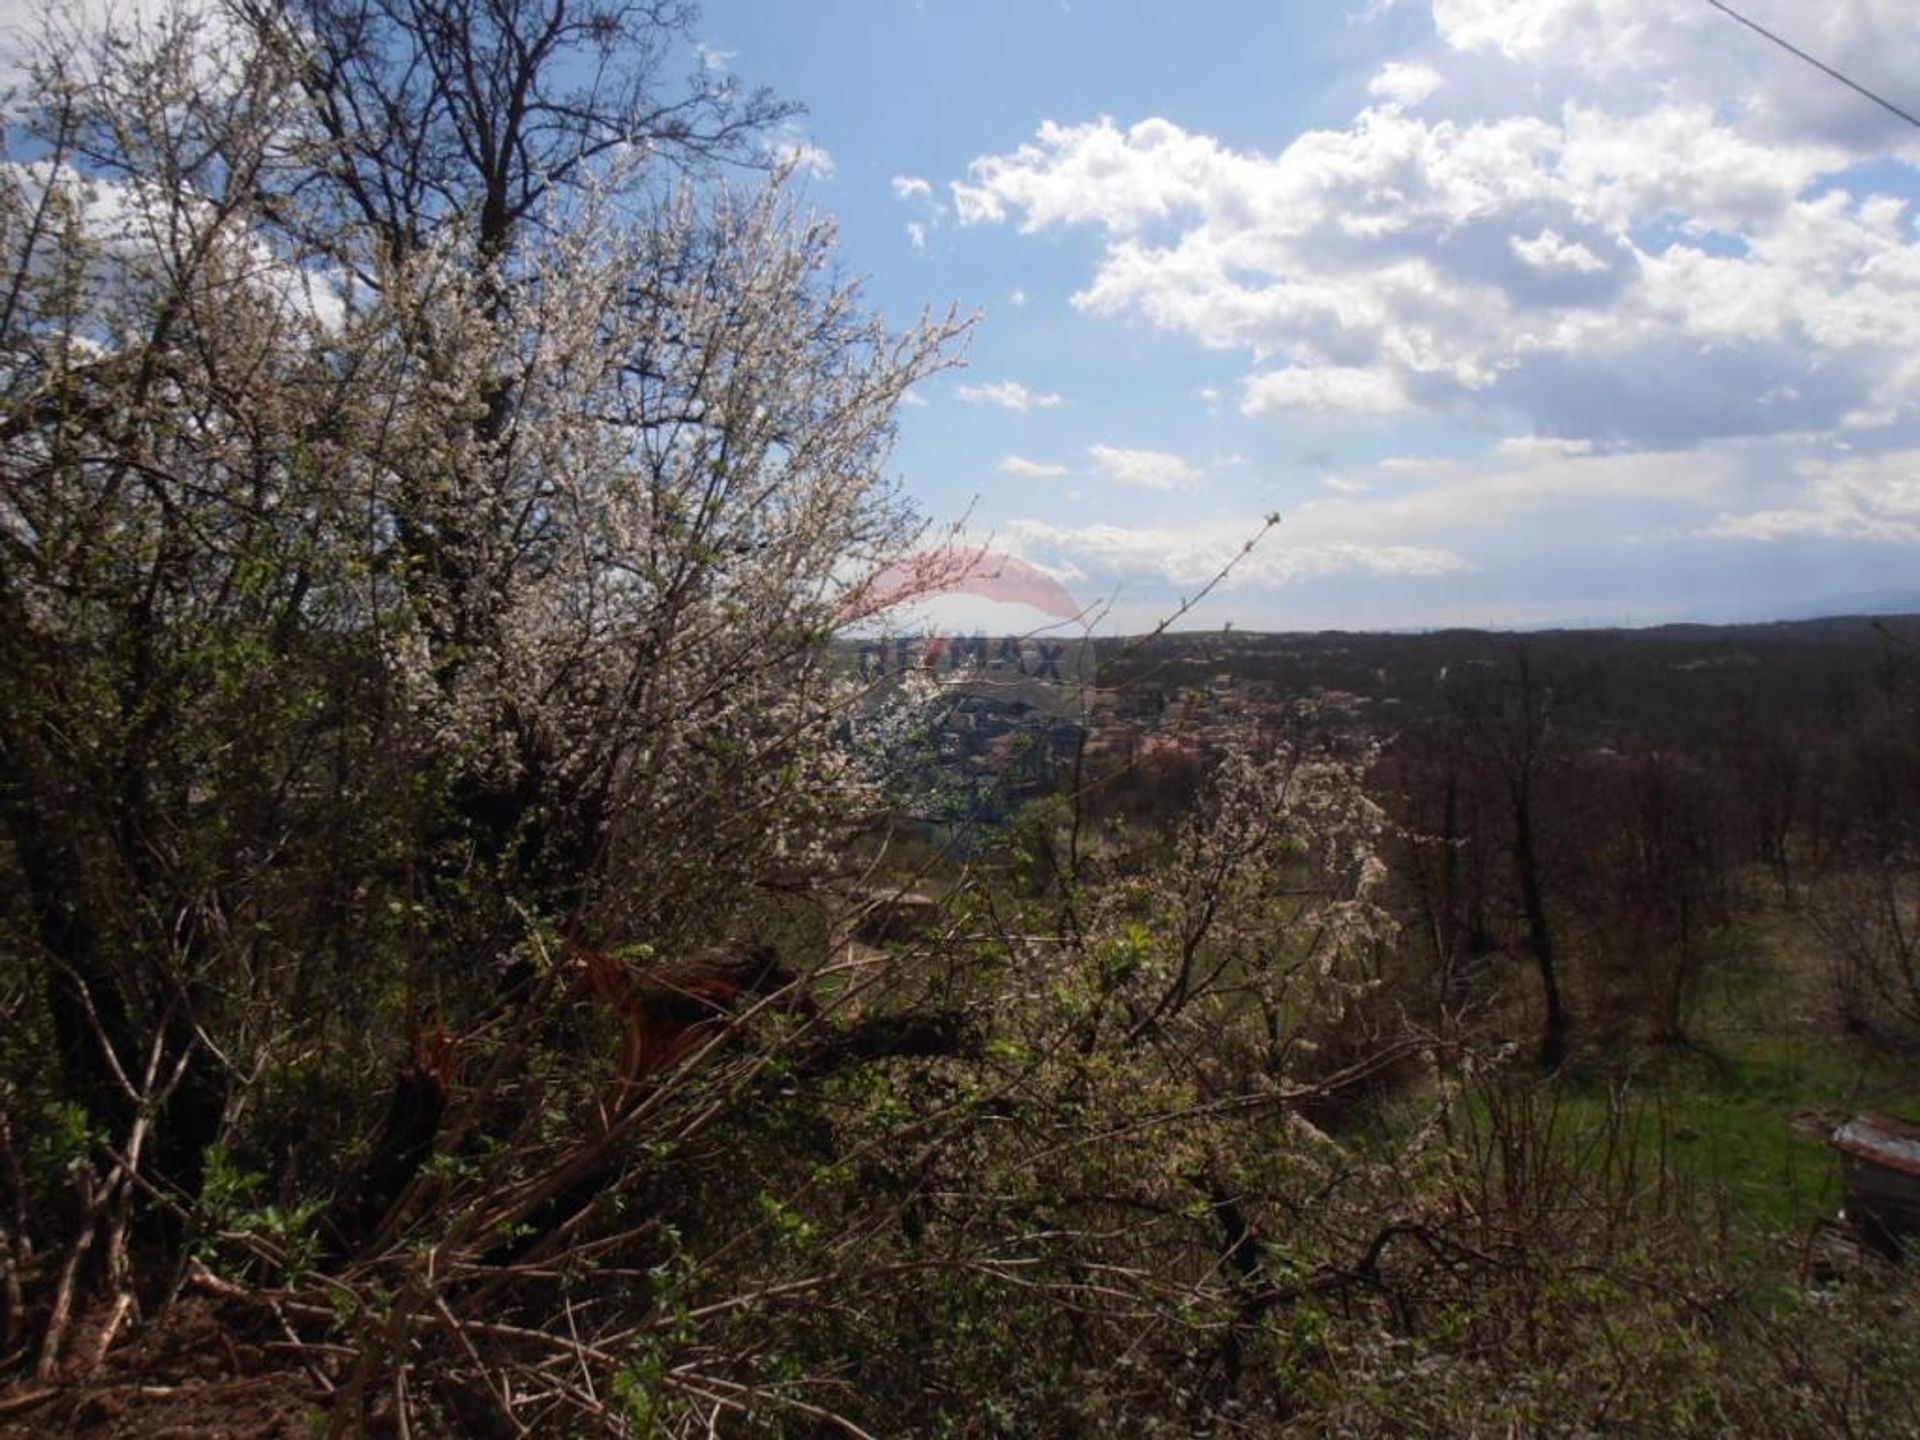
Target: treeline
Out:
[1603,806]
[1635,831]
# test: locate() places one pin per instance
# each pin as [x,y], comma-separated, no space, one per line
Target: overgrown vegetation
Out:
[446,936]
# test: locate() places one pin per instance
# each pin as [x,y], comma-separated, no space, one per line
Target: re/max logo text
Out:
[1025,655]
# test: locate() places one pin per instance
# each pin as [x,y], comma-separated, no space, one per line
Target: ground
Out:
[203,1374]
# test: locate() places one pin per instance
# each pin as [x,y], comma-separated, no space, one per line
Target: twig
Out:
[26,1400]
[500,1396]
[1187,603]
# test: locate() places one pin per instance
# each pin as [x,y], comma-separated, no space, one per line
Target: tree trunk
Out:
[1526,862]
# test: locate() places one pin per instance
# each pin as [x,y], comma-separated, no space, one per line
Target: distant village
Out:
[1012,716]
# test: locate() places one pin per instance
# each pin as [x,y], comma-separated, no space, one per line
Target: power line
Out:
[1793,49]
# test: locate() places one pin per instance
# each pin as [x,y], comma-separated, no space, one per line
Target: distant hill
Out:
[1866,602]
[1827,607]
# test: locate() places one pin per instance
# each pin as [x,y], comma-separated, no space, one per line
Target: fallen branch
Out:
[25,1400]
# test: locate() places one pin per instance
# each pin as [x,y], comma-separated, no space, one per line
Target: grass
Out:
[1745,1109]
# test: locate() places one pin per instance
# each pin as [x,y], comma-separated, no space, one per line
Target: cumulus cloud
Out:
[1407,83]
[1009,395]
[1639,276]
[1090,174]
[1143,469]
[912,187]
[1324,387]
[1607,32]
[1031,469]
[1653,47]
[1548,251]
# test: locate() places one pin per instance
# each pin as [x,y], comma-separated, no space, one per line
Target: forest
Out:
[465,971]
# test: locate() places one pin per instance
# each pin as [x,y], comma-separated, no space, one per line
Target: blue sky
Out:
[1519,310]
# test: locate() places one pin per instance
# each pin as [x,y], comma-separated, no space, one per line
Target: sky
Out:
[1518,311]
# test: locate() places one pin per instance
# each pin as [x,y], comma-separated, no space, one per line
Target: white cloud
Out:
[1427,517]
[1190,556]
[713,58]
[1031,469]
[1405,83]
[1008,395]
[1324,387]
[804,155]
[1648,48]
[1144,469]
[1645,276]
[915,191]
[1611,31]
[1018,298]
[1417,517]
[1092,173]
[74,28]
[1425,501]
[137,234]
[1534,447]
[1873,498]
[1549,251]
